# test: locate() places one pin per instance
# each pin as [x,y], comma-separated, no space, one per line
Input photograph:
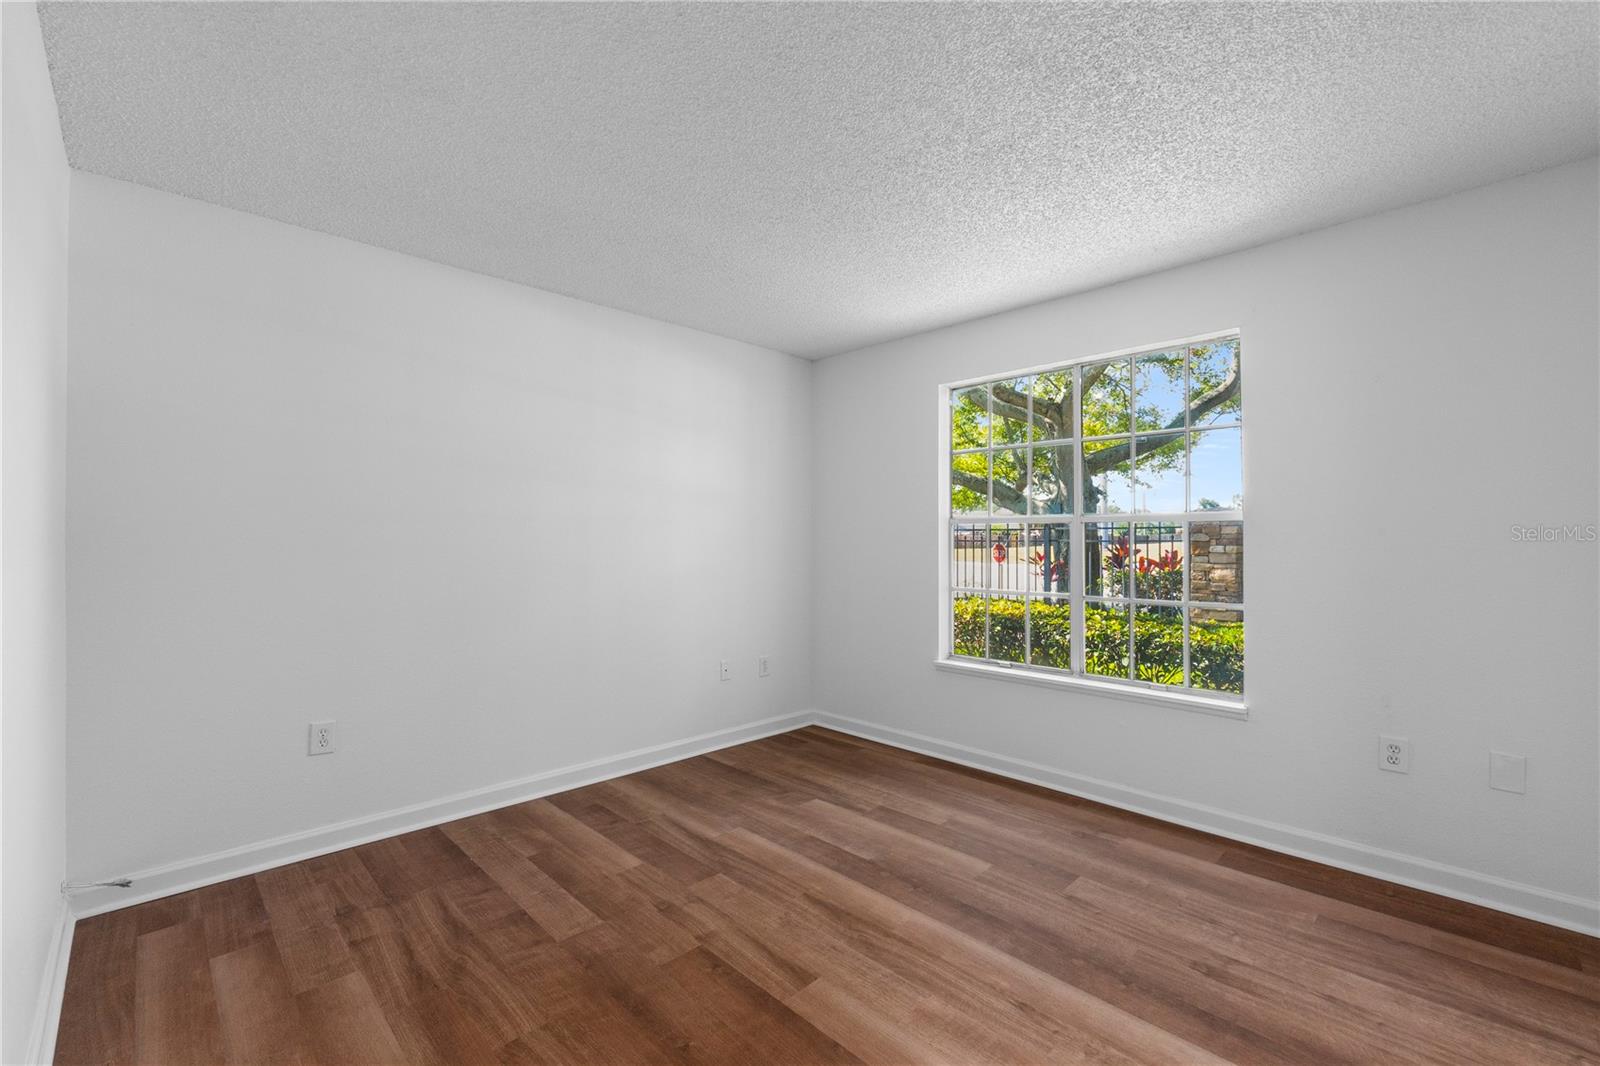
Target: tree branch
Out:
[1015,404]
[1101,461]
[1004,495]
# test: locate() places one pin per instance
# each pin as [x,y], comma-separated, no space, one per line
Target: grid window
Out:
[1096,519]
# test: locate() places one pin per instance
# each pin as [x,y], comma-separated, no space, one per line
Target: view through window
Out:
[1096,522]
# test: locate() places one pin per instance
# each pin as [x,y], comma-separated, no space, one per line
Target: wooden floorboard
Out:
[816,898]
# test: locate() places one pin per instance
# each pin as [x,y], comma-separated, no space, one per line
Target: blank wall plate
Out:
[323,738]
[1508,773]
[1394,754]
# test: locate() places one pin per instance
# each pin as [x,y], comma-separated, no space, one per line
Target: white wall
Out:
[1415,383]
[490,530]
[33,277]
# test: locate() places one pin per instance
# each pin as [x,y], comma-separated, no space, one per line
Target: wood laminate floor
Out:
[814,898]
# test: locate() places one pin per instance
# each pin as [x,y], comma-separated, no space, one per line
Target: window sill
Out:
[1223,708]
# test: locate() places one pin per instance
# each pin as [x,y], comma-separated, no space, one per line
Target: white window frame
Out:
[1218,703]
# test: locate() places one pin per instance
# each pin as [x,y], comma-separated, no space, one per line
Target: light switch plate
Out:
[1508,773]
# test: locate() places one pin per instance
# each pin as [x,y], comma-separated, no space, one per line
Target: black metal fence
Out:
[1011,558]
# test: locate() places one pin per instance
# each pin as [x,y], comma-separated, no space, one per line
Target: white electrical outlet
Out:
[763,666]
[1394,754]
[727,670]
[1508,773]
[323,738]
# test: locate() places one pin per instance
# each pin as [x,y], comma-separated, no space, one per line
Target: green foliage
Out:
[1010,469]
[1216,649]
[965,500]
[1052,405]
[1009,406]
[1158,390]
[969,419]
[1209,367]
[1007,630]
[1119,397]
[1216,655]
[1107,396]
[1105,641]
[969,621]
[1158,645]
[1052,634]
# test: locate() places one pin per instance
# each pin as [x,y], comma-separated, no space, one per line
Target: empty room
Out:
[762,532]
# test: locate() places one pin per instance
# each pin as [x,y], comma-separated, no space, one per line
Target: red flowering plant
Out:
[1117,554]
[1054,573]
[1159,577]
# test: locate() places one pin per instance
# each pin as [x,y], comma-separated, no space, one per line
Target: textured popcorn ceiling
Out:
[818,177]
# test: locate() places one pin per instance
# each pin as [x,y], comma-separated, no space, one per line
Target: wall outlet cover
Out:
[322,739]
[1394,754]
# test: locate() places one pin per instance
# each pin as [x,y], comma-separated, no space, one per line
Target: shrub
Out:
[1158,645]
[1216,656]
[968,633]
[1007,635]
[1216,649]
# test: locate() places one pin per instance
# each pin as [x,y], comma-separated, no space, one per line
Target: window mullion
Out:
[1075,552]
[1133,522]
[1014,531]
[1188,504]
[1027,600]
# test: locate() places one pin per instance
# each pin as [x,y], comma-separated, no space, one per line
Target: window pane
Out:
[1158,645]
[1009,470]
[1050,632]
[1009,411]
[1106,559]
[1050,486]
[1107,476]
[1107,398]
[969,483]
[1158,390]
[1105,639]
[1216,554]
[1007,633]
[1052,405]
[1154,505]
[1216,650]
[1159,473]
[1009,565]
[968,622]
[969,418]
[1157,561]
[969,556]
[1049,553]
[1216,478]
[1214,382]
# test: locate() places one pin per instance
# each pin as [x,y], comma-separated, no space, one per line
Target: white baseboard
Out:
[52,985]
[187,874]
[1527,901]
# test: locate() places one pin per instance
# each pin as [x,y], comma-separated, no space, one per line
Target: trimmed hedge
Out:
[1216,649]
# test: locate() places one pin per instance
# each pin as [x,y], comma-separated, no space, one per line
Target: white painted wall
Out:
[490,530]
[33,340]
[1416,382]
[495,532]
